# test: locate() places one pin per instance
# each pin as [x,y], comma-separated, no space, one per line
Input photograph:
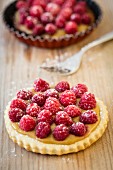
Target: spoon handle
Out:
[102,39]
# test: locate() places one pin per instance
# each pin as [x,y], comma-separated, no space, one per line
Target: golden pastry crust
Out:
[31,144]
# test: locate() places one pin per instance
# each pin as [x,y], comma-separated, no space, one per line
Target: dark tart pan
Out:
[39,41]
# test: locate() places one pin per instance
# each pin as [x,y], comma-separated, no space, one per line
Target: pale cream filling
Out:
[69,140]
[59,33]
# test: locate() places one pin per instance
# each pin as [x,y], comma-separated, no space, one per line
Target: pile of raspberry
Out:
[41,107]
[47,16]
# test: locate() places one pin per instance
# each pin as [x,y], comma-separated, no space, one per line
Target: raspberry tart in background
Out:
[42,22]
[55,120]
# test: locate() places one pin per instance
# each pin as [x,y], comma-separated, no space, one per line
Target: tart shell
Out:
[38,41]
[31,144]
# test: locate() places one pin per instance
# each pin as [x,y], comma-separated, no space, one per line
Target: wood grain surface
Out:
[19,66]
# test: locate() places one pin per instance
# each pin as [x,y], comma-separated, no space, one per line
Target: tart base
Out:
[36,146]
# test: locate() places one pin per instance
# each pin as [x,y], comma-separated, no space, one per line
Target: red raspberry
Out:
[63,118]
[21,4]
[30,22]
[88,117]
[39,98]
[18,103]
[15,114]
[29,2]
[47,1]
[41,3]
[82,3]
[50,28]
[47,17]
[53,8]
[67,98]
[87,101]
[79,90]
[38,29]
[43,129]
[33,109]
[52,104]
[86,19]
[71,27]
[24,94]
[78,129]
[23,10]
[45,116]
[61,132]
[79,9]
[62,86]
[60,21]
[22,17]
[40,85]
[66,13]
[51,93]
[59,2]
[69,3]
[27,123]
[72,110]
[36,11]
[76,18]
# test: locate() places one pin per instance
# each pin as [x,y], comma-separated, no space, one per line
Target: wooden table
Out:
[19,66]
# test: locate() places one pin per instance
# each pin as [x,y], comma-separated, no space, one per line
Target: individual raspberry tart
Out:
[52,23]
[87,101]
[53,120]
